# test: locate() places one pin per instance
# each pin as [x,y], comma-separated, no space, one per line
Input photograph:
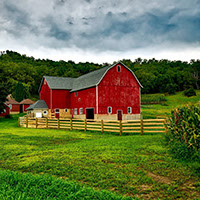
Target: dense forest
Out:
[155,75]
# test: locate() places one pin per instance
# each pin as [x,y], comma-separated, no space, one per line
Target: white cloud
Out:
[101,31]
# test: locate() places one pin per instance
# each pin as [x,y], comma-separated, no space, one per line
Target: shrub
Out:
[8,116]
[184,132]
[171,88]
[190,92]
[148,99]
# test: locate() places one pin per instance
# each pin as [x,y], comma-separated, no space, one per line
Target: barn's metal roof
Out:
[88,80]
[85,81]
[62,83]
[40,104]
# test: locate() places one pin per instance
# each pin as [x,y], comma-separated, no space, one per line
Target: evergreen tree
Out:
[3,90]
[3,95]
[20,92]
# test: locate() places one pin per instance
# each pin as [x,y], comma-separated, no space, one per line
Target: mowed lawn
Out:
[135,166]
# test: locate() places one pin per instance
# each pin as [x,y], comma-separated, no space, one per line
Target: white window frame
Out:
[80,111]
[75,111]
[109,112]
[79,99]
[118,68]
[57,110]
[129,111]
[45,112]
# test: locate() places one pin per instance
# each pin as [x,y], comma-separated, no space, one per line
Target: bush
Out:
[8,116]
[154,99]
[171,88]
[184,132]
[190,92]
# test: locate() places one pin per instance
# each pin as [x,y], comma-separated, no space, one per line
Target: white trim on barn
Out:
[116,64]
[97,100]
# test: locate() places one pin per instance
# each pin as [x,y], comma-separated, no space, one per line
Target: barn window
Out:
[45,112]
[81,111]
[109,110]
[79,99]
[75,111]
[118,68]
[129,110]
[66,109]
[57,110]
[75,94]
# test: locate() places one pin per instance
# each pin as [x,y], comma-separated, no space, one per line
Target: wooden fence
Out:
[127,127]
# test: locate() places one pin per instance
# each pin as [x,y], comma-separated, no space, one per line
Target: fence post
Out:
[120,127]
[47,122]
[36,122]
[165,121]
[102,126]
[58,124]
[85,123]
[27,122]
[71,128]
[19,121]
[141,125]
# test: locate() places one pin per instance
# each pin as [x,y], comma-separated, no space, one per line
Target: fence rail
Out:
[130,126]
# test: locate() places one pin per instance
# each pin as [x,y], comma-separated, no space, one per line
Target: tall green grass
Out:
[153,99]
[14,185]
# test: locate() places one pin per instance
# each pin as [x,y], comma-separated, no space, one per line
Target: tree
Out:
[3,90]
[3,95]
[195,72]
[21,92]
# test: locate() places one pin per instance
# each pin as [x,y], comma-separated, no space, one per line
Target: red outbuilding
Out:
[6,110]
[24,104]
[111,92]
[13,104]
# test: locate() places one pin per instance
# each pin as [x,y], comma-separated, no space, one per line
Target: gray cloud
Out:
[100,25]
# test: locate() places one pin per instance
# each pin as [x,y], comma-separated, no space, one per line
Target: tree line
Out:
[156,76]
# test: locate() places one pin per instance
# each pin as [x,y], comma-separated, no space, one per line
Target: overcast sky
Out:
[101,30]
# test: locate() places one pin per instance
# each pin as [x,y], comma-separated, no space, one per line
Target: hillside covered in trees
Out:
[155,75]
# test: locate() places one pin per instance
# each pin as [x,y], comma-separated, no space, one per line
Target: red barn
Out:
[13,104]
[111,92]
[6,110]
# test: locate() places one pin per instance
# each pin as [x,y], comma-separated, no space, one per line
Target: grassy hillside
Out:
[172,101]
[135,166]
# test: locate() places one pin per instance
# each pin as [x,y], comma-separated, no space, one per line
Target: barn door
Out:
[119,115]
[57,113]
[21,108]
[89,113]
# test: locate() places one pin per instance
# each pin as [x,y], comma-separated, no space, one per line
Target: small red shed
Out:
[13,104]
[24,104]
[6,110]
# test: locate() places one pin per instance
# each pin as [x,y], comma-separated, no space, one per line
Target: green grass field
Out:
[59,164]
[173,101]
